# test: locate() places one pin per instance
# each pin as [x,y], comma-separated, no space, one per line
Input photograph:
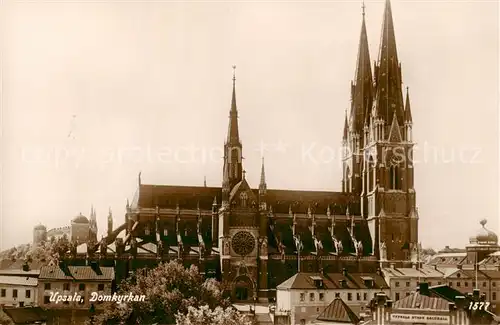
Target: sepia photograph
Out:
[246,162]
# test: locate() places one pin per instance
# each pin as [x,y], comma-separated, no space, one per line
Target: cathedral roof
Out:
[168,196]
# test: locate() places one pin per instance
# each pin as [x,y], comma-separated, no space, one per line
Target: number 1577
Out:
[479,305]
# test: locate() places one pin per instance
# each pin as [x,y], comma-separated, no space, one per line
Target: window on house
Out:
[494,284]
[484,284]
[396,296]
[321,296]
[81,287]
[493,296]
[358,296]
[407,294]
[100,287]
[397,284]
[28,293]
[407,284]
[349,296]
[365,296]
[165,232]
[302,296]
[473,284]
[337,294]
[3,293]
[21,304]
[47,286]
[450,284]
[311,296]
[66,287]
[466,284]
[439,282]
[458,284]
[46,300]
[14,293]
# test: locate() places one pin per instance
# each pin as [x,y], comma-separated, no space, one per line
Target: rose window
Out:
[243,243]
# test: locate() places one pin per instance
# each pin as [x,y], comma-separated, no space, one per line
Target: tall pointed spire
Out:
[262,185]
[389,95]
[346,127]
[408,118]
[362,95]
[233,134]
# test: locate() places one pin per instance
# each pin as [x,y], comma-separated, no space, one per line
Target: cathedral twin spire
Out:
[378,94]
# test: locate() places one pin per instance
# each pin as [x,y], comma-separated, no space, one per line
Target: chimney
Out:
[460,301]
[344,271]
[423,288]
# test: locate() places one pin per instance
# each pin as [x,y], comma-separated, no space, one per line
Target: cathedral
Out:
[253,237]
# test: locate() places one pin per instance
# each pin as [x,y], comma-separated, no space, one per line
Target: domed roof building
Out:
[80,226]
[484,236]
[40,227]
[81,219]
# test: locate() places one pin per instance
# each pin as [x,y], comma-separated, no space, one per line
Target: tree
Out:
[169,289]
[4,319]
[220,316]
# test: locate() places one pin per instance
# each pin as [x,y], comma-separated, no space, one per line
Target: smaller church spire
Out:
[346,126]
[408,118]
[262,185]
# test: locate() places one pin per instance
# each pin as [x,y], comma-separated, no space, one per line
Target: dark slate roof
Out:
[168,196]
[80,219]
[84,273]
[339,312]
[26,315]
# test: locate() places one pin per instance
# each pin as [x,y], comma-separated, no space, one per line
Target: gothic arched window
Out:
[371,176]
[243,199]
[349,180]
[394,178]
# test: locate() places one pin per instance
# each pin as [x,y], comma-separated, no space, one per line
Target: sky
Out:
[94,93]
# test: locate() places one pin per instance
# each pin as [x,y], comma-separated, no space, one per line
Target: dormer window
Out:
[343,283]
[243,199]
[147,231]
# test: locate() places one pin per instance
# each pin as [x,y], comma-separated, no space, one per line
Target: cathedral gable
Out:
[242,195]
[395,132]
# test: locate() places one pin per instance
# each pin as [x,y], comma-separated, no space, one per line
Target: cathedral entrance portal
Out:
[243,289]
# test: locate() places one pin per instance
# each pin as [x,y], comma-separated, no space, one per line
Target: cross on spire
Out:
[363,8]
[234,73]
[244,172]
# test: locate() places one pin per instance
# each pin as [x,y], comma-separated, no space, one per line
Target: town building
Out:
[76,281]
[18,291]
[483,250]
[431,305]
[404,281]
[306,295]
[59,232]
